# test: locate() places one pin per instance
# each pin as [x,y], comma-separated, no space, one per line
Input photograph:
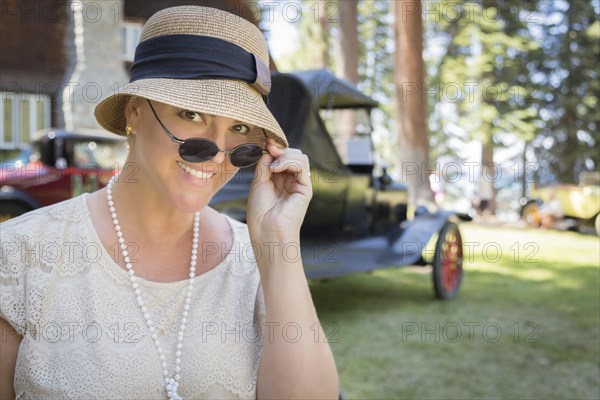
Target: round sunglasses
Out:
[199,150]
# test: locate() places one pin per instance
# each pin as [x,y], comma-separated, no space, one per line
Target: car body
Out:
[56,166]
[579,204]
[348,200]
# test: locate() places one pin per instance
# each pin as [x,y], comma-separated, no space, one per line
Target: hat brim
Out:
[227,98]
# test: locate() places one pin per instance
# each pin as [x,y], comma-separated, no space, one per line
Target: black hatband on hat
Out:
[181,56]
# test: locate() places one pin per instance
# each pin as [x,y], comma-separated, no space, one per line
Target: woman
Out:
[142,290]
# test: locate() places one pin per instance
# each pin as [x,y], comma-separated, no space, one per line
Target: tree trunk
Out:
[348,53]
[324,32]
[487,193]
[347,68]
[413,139]
[524,169]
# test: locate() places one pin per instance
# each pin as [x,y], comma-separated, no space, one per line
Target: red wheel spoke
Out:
[447,265]
[451,263]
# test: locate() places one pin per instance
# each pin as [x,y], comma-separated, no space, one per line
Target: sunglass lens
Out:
[198,150]
[246,155]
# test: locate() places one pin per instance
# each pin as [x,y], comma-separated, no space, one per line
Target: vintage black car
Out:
[357,219]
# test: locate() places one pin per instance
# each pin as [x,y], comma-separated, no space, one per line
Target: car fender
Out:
[407,243]
[9,193]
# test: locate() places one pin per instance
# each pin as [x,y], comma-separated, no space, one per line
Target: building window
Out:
[21,115]
[130,37]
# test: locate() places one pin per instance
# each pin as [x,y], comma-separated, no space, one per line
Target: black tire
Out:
[447,265]
[11,209]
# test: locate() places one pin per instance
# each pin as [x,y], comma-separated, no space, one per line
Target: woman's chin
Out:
[191,204]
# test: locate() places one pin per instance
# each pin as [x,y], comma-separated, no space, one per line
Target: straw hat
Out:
[201,59]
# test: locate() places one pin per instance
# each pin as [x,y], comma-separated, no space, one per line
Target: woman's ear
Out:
[133,109]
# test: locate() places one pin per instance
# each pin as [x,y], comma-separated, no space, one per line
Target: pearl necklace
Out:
[171,382]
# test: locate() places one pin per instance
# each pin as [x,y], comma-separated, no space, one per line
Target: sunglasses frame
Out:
[181,142]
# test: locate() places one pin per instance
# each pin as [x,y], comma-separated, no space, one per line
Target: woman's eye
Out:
[243,129]
[192,116]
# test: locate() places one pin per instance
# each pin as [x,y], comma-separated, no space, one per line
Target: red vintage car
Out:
[56,166]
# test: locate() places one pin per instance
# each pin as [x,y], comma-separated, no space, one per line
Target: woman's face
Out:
[186,185]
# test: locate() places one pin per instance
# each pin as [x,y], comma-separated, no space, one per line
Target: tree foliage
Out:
[315,48]
[376,68]
[496,70]
[479,80]
[567,76]
[525,69]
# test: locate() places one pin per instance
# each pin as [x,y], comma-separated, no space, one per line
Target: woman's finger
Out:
[277,151]
[296,164]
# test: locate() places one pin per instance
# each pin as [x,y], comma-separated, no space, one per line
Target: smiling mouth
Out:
[193,172]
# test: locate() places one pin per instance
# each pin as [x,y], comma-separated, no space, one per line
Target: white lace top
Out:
[84,335]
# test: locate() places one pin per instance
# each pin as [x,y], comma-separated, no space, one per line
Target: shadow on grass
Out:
[546,311]
[380,290]
[527,265]
[496,285]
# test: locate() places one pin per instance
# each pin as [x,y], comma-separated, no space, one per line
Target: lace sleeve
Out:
[12,281]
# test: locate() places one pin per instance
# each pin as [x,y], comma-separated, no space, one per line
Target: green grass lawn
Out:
[526,324]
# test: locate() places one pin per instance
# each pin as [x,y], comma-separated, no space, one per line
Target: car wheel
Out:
[531,214]
[448,262]
[11,209]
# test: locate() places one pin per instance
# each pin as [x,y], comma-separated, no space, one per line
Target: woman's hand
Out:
[280,193]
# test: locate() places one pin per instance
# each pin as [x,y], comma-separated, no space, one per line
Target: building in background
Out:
[59,58]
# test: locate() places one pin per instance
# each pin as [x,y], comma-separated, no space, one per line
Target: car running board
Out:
[401,247]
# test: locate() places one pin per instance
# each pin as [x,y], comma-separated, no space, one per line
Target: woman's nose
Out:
[219,157]
[218,135]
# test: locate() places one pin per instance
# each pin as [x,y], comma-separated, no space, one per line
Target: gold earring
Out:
[128,130]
